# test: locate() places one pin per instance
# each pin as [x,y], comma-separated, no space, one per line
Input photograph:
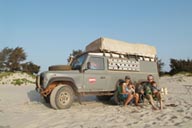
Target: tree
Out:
[180,66]
[76,52]
[16,57]
[160,65]
[4,58]
[30,67]
[10,60]
[73,54]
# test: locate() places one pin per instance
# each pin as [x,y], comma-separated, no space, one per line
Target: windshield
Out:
[77,63]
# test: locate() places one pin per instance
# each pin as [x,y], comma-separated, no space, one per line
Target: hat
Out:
[127,77]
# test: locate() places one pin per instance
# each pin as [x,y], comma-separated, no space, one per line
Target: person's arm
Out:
[133,86]
[156,87]
[124,86]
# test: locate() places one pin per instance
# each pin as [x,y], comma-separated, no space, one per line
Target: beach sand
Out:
[22,107]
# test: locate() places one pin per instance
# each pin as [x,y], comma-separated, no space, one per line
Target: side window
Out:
[96,63]
[77,63]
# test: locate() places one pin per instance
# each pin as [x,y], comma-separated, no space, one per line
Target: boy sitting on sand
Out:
[154,87]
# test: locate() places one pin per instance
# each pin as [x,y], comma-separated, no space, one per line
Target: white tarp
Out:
[120,47]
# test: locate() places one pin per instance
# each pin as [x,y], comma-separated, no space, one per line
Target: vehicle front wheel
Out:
[62,97]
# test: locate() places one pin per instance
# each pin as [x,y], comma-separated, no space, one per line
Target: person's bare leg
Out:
[159,97]
[161,104]
[129,98]
[152,102]
[160,100]
[136,96]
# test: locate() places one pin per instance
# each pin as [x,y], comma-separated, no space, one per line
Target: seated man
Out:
[151,92]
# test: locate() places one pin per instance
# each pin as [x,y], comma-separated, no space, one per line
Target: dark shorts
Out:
[124,96]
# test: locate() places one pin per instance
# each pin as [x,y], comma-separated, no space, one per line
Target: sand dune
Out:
[22,107]
[11,78]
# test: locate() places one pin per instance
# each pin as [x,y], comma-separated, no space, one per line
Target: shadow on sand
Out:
[36,97]
[88,99]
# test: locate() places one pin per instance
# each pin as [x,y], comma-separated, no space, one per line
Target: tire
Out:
[52,96]
[59,67]
[62,97]
[116,99]
[104,98]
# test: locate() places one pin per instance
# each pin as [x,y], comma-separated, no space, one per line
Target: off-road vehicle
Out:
[97,71]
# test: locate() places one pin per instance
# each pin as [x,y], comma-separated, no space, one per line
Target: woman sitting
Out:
[128,91]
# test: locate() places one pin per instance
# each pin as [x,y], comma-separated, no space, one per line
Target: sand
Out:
[22,107]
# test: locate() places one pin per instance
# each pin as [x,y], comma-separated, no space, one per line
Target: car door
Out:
[95,77]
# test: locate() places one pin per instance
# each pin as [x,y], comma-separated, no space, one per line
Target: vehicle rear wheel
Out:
[104,98]
[116,99]
[62,97]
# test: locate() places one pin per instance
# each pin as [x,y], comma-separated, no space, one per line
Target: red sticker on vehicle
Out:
[92,80]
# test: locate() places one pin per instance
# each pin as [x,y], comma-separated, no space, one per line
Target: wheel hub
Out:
[64,98]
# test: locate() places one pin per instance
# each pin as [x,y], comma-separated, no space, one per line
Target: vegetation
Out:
[5,74]
[21,81]
[177,67]
[181,65]
[160,65]
[11,60]
[73,54]
[76,52]
[30,67]
[16,78]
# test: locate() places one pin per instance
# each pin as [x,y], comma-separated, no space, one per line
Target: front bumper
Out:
[39,86]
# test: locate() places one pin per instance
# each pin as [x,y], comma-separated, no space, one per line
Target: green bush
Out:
[21,81]
[17,82]
[5,74]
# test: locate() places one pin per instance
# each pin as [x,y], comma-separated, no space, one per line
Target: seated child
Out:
[154,87]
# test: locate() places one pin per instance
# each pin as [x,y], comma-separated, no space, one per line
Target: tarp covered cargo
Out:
[109,45]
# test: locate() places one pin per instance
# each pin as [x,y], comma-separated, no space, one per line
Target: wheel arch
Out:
[57,81]
[63,80]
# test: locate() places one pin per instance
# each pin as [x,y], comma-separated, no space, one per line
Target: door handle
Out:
[102,77]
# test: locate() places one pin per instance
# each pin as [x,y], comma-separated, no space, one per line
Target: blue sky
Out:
[49,30]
